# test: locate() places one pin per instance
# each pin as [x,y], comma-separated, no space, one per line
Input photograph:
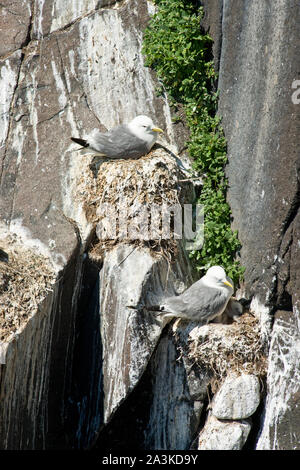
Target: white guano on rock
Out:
[281,420]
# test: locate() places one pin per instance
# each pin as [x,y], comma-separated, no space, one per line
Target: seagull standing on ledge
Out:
[127,141]
[202,302]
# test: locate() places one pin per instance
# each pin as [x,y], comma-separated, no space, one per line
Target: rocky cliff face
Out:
[79,363]
[257,47]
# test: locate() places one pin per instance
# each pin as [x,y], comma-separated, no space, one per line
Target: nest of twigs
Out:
[25,280]
[138,191]
[221,349]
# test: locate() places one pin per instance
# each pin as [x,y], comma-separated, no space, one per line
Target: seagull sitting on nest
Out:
[126,141]
[202,302]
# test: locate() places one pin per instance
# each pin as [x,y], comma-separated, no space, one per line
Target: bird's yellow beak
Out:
[228,284]
[157,129]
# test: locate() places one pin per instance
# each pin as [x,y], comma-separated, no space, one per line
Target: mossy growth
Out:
[177,48]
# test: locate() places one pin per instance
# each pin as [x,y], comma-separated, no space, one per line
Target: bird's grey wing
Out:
[118,143]
[185,304]
[198,302]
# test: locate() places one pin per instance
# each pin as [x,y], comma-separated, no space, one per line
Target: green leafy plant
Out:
[180,52]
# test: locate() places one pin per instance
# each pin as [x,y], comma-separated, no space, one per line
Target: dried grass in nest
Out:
[160,249]
[152,179]
[24,282]
[235,348]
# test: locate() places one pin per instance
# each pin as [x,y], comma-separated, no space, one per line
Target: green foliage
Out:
[176,47]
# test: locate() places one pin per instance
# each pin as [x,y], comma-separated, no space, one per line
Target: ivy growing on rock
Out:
[180,52]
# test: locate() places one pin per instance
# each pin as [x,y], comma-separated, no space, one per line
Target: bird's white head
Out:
[143,127]
[217,276]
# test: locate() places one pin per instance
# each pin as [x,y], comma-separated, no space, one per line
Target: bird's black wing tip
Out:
[155,308]
[81,142]
[158,309]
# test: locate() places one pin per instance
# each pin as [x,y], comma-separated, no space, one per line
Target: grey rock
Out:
[223,435]
[281,419]
[9,67]
[262,150]
[212,21]
[130,336]
[15,20]
[179,392]
[26,355]
[55,15]
[237,398]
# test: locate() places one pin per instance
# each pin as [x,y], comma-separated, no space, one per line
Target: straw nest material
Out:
[221,349]
[136,185]
[25,280]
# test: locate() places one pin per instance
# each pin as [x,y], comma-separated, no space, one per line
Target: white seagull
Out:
[202,302]
[127,141]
